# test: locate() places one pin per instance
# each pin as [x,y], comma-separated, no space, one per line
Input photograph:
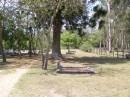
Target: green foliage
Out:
[46,8]
[86,46]
[70,39]
[90,41]
[1,17]
[13,39]
[100,11]
[95,38]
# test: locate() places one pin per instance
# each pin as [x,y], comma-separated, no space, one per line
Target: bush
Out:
[70,39]
[90,41]
[86,46]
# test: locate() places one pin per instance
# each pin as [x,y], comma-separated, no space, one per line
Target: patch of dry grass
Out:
[112,80]
[13,63]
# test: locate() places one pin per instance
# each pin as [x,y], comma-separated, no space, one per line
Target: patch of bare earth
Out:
[8,81]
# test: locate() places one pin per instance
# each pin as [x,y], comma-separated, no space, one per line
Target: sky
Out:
[90,5]
[8,3]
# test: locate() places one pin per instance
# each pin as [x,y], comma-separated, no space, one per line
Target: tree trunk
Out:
[1,45]
[100,48]
[109,27]
[43,59]
[19,48]
[2,52]
[57,24]
[46,60]
[0,40]
[30,45]
[30,48]
[68,47]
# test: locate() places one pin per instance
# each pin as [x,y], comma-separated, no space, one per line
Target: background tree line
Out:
[37,25]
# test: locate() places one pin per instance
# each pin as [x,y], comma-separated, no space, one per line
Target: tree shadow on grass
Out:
[8,65]
[37,69]
[85,60]
[96,60]
[16,62]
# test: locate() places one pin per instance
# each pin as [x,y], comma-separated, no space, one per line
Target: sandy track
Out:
[8,81]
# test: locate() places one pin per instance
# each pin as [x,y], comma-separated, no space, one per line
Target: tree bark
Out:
[30,48]
[46,60]
[1,45]
[30,43]
[109,27]
[57,24]
[0,40]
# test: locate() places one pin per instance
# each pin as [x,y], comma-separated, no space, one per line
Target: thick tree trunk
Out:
[0,40]
[2,52]
[56,50]
[1,45]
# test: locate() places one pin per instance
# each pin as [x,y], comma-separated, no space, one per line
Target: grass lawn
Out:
[112,80]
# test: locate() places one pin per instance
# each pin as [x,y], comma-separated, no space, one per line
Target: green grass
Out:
[112,80]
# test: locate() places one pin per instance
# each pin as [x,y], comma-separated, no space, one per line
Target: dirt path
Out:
[8,81]
[54,94]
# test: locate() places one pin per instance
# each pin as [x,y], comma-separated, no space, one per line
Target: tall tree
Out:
[2,28]
[1,43]
[68,9]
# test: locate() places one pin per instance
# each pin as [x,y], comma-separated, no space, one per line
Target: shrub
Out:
[86,46]
[69,39]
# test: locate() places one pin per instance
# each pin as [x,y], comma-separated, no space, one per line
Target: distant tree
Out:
[69,39]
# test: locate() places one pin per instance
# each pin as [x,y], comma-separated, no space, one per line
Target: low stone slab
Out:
[80,70]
